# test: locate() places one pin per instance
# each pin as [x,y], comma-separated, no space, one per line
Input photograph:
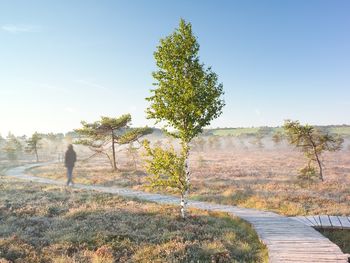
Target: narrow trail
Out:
[287,240]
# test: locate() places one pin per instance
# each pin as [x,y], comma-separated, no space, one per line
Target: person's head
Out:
[70,147]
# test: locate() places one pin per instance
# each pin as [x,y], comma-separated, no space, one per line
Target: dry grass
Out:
[256,178]
[41,223]
[266,179]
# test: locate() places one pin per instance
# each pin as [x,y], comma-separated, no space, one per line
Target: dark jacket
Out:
[70,158]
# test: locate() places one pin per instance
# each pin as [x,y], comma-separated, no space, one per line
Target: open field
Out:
[243,175]
[255,178]
[43,223]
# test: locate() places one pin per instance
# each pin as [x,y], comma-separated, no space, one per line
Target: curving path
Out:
[287,239]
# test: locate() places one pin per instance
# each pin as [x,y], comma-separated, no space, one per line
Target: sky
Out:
[66,61]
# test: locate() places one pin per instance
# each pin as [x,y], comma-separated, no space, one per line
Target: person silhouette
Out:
[69,161]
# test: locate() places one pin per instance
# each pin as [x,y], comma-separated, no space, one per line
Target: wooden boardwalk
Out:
[287,239]
[325,221]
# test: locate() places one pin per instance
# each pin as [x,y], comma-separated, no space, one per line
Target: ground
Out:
[41,223]
[255,178]
[238,173]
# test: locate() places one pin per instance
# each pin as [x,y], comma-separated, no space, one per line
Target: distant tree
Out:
[12,147]
[2,141]
[33,144]
[312,143]
[260,135]
[55,141]
[277,137]
[187,97]
[103,135]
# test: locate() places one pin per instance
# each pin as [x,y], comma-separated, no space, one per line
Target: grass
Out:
[41,223]
[262,179]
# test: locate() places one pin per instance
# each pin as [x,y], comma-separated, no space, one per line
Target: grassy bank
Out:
[42,223]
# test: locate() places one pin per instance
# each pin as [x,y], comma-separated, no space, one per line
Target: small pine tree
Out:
[33,144]
[103,135]
[277,137]
[312,142]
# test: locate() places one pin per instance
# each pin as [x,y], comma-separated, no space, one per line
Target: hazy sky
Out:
[66,61]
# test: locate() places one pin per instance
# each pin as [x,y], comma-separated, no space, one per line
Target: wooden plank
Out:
[317,219]
[325,223]
[335,222]
[303,220]
[312,220]
[344,222]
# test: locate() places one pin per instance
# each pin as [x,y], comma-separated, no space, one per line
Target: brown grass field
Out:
[46,224]
[249,176]
[265,179]
[262,178]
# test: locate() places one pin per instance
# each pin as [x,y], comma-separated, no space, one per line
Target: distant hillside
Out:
[343,130]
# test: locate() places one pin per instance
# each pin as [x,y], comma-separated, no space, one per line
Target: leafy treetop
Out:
[187,95]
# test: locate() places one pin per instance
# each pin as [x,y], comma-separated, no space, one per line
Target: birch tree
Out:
[186,98]
[312,142]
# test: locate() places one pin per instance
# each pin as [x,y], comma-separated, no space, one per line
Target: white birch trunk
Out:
[184,194]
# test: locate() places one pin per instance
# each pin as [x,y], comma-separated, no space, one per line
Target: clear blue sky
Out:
[66,61]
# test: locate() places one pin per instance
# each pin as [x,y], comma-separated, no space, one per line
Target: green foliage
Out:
[277,137]
[186,98]
[311,141]
[166,168]
[260,134]
[12,147]
[33,144]
[101,136]
[100,133]
[307,173]
[187,95]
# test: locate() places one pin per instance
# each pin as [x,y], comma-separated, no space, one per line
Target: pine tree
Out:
[104,135]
